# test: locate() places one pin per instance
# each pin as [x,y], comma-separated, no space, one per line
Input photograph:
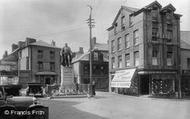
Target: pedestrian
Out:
[93,88]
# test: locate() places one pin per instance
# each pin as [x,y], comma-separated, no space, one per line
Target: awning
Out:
[46,73]
[122,78]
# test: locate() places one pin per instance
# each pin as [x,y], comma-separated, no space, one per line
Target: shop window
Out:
[119,61]
[136,37]
[136,58]
[155,55]
[113,62]
[119,44]
[113,45]
[127,60]
[127,41]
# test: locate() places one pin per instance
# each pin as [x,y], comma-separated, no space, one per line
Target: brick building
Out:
[38,62]
[81,66]
[185,62]
[8,70]
[144,50]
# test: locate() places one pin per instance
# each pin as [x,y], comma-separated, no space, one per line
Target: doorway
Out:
[144,84]
[47,81]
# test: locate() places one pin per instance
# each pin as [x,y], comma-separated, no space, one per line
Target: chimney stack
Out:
[30,40]
[14,47]
[93,42]
[5,54]
[53,43]
[81,50]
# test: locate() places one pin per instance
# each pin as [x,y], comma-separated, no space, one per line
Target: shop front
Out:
[135,82]
[157,83]
[124,82]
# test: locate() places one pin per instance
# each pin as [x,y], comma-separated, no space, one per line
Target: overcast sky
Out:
[64,20]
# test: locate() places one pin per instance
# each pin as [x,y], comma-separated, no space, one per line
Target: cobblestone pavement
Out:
[114,106]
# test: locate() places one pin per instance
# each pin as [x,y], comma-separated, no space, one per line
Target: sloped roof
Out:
[185,39]
[153,3]
[129,9]
[146,7]
[101,46]
[10,57]
[170,6]
[42,43]
[85,57]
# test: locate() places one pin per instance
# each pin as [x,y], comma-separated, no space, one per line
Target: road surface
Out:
[115,106]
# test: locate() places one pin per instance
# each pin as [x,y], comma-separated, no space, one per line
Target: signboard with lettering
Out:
[123,78]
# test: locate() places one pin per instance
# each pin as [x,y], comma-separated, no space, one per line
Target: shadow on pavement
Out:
[66,110]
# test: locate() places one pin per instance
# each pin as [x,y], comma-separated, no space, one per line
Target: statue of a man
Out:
[66,55]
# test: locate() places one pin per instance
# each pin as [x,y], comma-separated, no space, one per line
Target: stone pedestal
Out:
[67,78]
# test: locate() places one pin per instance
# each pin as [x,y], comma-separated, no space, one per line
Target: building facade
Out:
[144,50]
[185,63]
[37,62]
[100,75]
[8,70]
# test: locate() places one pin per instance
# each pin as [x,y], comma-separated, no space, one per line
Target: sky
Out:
[64,21]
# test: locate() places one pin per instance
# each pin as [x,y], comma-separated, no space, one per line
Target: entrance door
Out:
[144,79]
[47,81]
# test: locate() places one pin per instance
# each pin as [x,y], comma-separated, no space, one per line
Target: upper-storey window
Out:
[130,20]
[120,61]
[155,30]
[136,37]
[95,56]
[169,55]
[119,44]
[52,54]
[122,22]
[154,13]
[136,58]
[169,35]
[127,60]
[155,55]
[40,54]
[115,28]
[127,42]
[40,66]
[52,66]
[113,62]
[113,45]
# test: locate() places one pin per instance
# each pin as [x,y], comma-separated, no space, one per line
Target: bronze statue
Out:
[66,56]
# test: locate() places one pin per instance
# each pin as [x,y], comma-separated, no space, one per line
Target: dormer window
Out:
[115,28]
[122,22]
